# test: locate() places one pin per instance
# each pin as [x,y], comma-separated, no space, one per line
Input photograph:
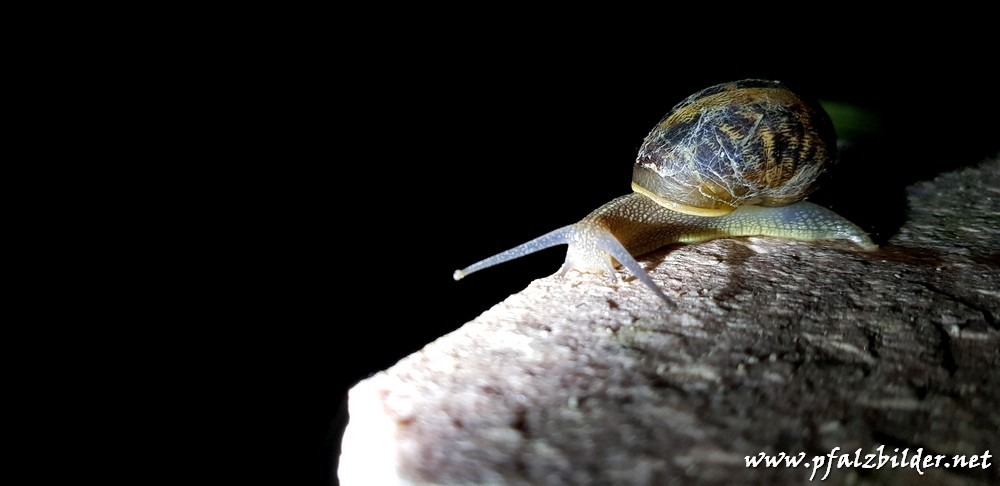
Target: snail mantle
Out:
[773,346]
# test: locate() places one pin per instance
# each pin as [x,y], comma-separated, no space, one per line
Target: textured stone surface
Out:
[770,346]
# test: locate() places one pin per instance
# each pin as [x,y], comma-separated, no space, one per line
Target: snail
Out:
[734,159]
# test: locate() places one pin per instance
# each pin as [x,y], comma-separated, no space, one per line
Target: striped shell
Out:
[745,142]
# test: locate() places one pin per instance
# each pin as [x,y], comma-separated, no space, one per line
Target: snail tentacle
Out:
[560,236]
[592,247]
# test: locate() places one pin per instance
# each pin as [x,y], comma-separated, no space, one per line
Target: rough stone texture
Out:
[771,346]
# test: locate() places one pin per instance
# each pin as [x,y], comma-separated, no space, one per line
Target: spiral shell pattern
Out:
[745,142]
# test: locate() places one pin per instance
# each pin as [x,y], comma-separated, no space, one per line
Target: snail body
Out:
[735,159]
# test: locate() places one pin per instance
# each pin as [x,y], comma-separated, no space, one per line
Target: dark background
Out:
[387,165]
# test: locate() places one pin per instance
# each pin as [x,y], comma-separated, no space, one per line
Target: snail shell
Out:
[746,142]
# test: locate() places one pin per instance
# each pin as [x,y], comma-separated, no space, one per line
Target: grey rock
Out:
[770,346]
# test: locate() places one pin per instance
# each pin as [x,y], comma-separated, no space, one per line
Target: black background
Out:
[378,165]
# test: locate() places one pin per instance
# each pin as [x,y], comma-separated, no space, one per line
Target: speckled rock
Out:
[769,346]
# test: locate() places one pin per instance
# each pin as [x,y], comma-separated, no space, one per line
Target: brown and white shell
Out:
[745,142]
